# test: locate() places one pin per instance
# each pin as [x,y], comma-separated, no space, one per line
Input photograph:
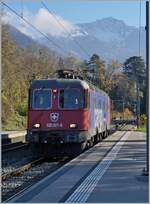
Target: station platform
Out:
[12,136]
[110,172]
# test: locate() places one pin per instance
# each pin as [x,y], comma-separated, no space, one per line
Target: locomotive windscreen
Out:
[41,99]
[71,98]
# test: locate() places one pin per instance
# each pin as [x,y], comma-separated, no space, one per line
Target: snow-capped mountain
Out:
[108,29]
[110,38]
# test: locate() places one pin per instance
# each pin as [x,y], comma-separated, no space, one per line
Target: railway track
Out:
[13,146]
[21,169]
[28,174]
[125,127]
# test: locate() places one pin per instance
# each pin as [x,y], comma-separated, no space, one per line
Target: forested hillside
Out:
[19,66]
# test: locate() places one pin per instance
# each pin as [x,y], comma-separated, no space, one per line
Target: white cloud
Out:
[12,19]
[7,17]
[48,23]
[45,22]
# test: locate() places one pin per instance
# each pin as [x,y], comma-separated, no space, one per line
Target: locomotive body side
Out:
[99,113]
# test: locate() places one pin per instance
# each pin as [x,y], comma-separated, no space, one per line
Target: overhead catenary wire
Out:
[19,16]
[34,27]
[65,29]
[21,8]
[1,11]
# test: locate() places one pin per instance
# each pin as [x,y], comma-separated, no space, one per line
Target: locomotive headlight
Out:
[37,125]
[73,125]
[54,90]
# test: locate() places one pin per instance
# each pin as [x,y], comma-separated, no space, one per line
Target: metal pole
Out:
[123,109]
[138,102]
[147,85]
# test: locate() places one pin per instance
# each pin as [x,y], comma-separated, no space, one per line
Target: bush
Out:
[143,119]
[22,108]
[16,122]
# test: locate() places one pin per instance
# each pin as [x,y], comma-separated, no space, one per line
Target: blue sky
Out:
[79,11]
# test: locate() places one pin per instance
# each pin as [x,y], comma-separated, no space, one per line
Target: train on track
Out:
[66,115]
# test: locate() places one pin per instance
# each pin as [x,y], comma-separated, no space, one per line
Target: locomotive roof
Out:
[58,83]
[63,83]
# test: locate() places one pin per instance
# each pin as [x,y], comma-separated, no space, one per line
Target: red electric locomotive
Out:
[66,115]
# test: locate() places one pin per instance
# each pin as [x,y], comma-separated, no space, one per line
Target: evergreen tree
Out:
[97,67]
[134,68]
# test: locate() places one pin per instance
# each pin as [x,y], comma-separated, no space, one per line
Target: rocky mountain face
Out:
[118,40]
[110,38]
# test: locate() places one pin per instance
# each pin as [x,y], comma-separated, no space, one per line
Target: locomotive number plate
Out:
[54,125]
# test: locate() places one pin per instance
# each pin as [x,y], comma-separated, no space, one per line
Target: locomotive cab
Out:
[58,111]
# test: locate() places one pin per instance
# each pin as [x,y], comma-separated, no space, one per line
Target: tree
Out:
[8,53]
[112,75]
[96,66]
[19,65]
[71,62]
[134,68]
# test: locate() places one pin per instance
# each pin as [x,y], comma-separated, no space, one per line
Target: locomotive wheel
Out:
[80,147]
[83,146]
[97,137]
[88,144]
[105,134]
[76,149]
[100,137]
[91,141]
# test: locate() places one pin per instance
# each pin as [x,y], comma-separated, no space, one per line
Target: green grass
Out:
[141,129]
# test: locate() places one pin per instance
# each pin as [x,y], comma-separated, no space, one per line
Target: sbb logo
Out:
[54,117]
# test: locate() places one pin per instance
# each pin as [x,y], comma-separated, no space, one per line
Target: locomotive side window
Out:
[71,99]
[41,99]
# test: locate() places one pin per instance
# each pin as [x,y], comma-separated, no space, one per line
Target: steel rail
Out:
[21,169]
[13,146]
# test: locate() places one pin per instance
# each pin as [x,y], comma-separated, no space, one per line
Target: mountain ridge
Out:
[108,37]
